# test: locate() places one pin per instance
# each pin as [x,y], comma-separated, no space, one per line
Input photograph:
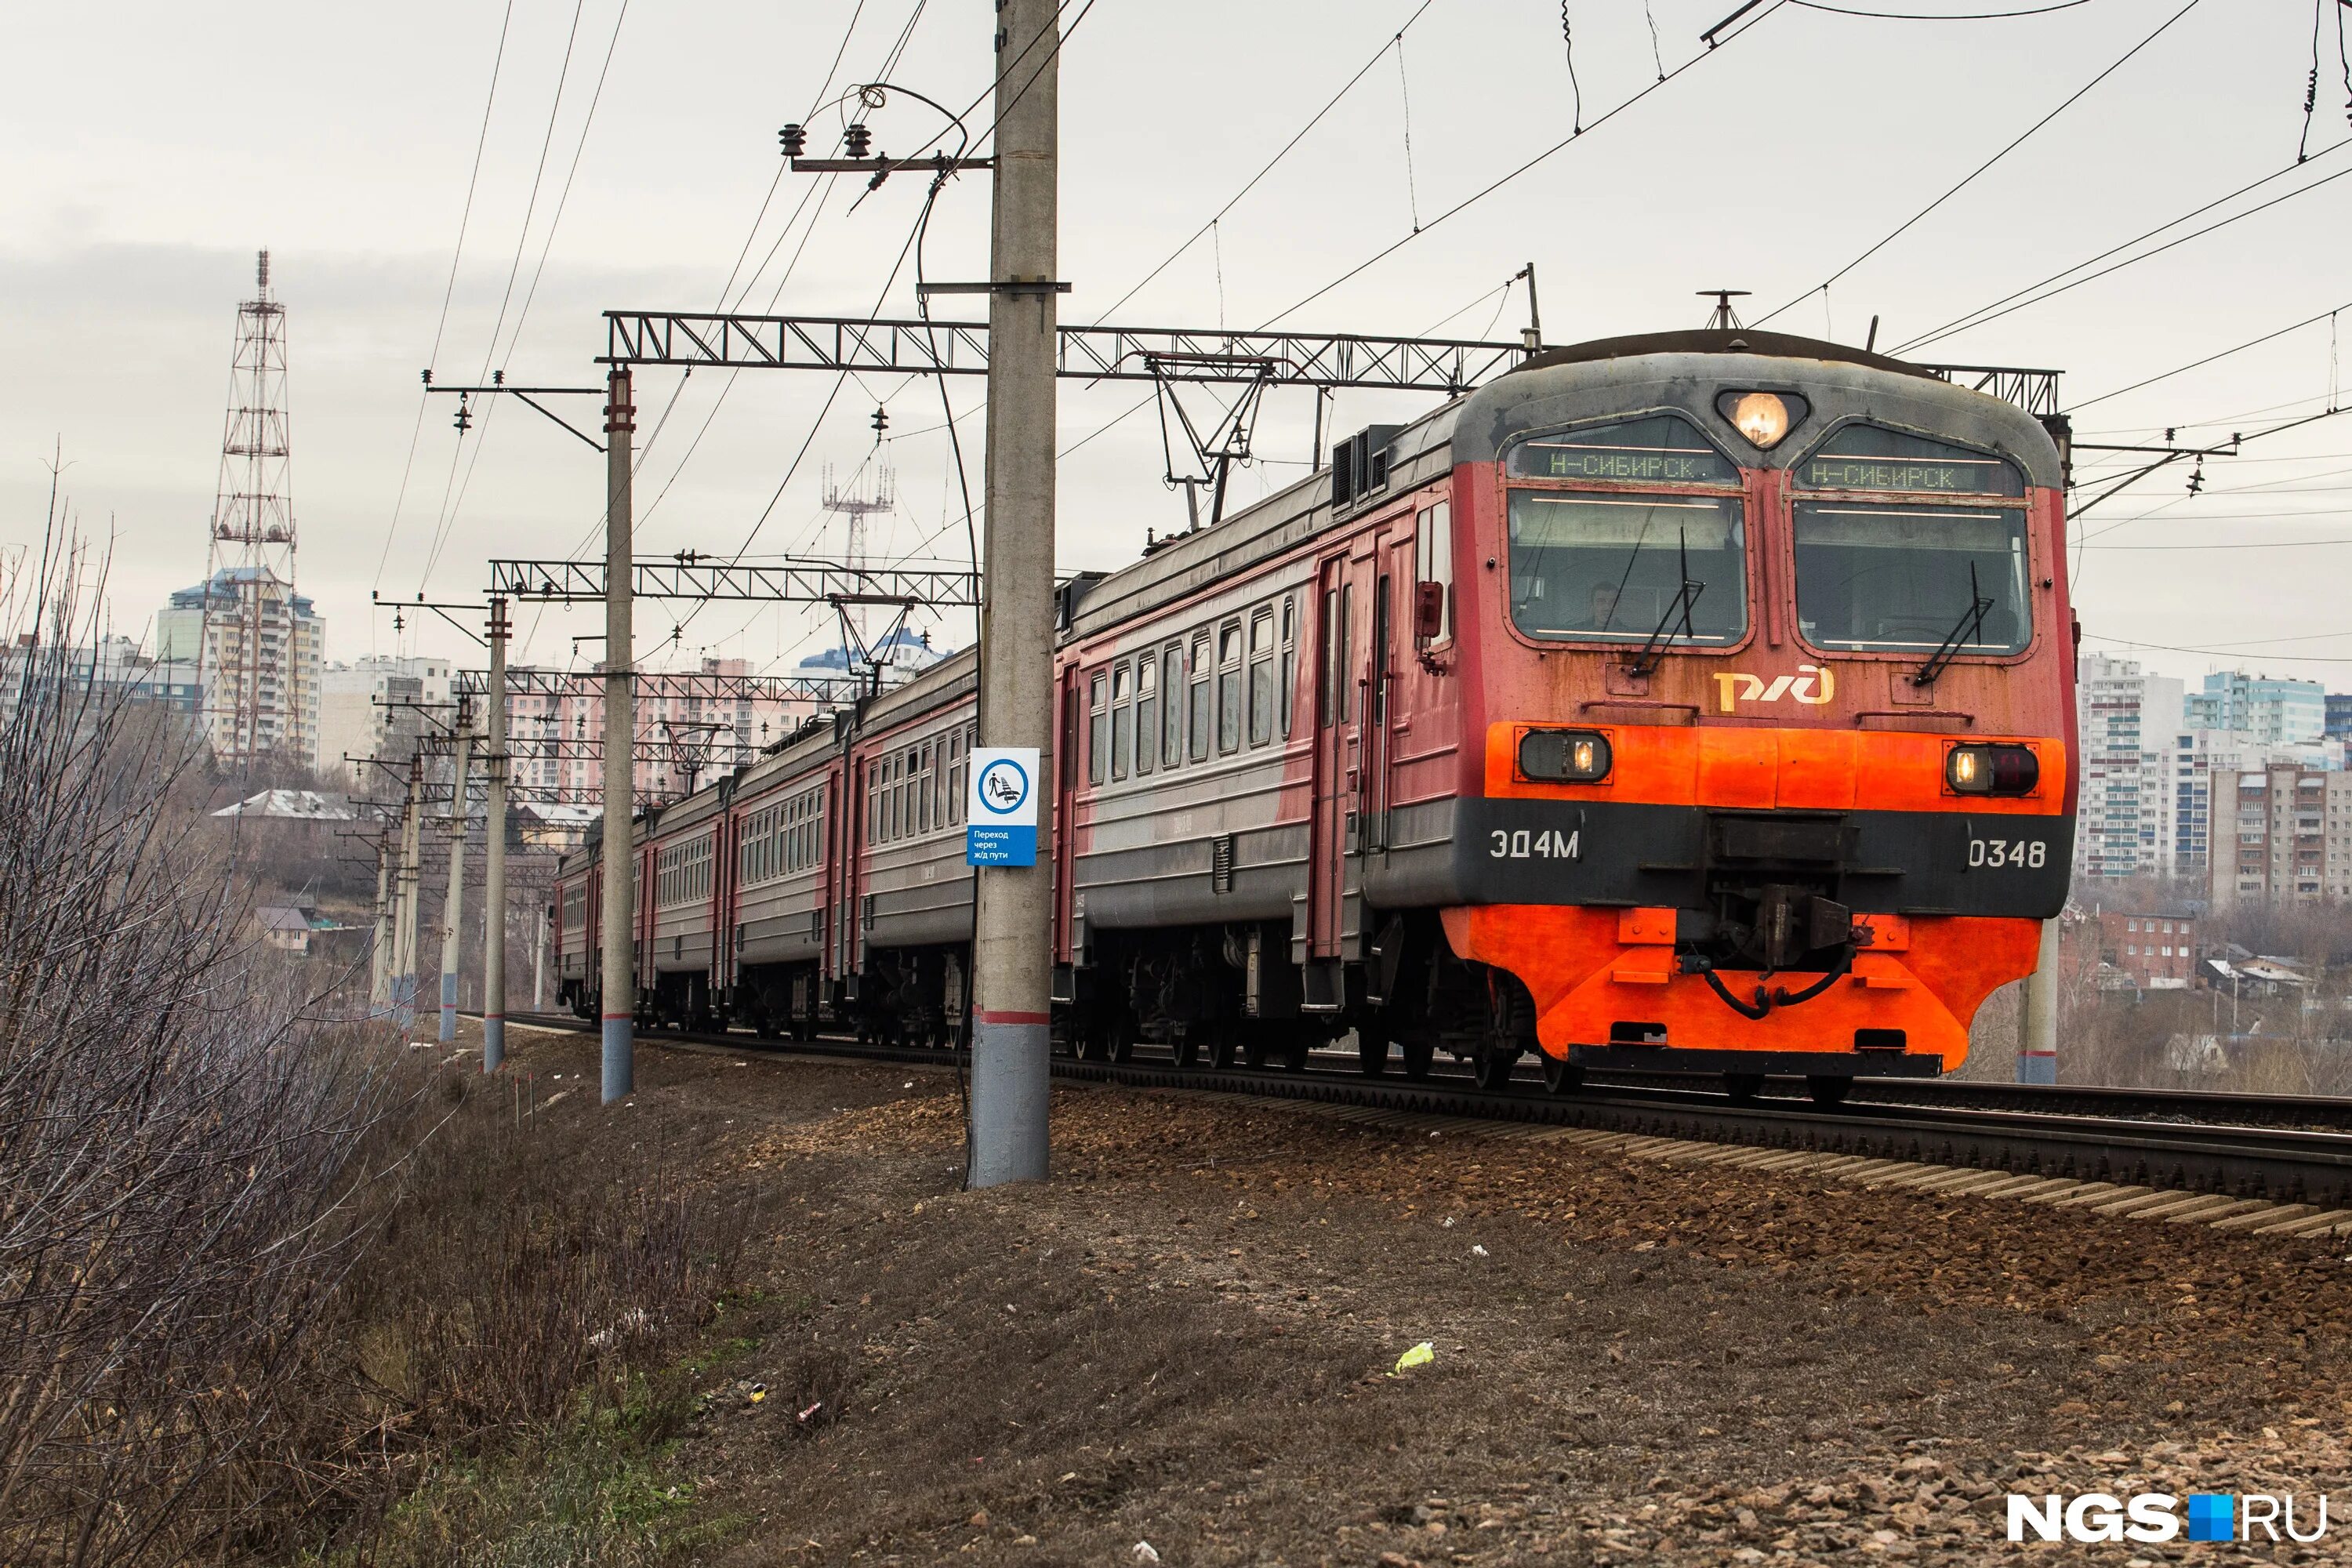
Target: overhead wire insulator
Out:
[858,140]
[795,138]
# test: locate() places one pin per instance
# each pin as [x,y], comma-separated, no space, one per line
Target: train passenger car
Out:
[1697,701]
[786,810]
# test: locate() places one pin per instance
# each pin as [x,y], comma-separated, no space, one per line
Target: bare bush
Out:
[177,1146]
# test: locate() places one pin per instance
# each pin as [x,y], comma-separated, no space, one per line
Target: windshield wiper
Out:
[1685,600]
[1972,623]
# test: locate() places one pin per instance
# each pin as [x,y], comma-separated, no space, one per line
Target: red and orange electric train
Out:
[1696,701]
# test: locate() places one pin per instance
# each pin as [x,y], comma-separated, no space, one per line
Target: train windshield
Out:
[1622,567]
[1889,578]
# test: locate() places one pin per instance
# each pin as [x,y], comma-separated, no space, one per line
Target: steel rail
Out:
[2279,1164]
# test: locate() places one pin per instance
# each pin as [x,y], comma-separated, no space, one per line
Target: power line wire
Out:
[2019,300]
[1268,166]
[1481,194]
[465,216]
[1940,17]
[2209,359]
[1903,228]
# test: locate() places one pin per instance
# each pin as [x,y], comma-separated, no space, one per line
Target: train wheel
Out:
[1221,1049]
[1292,1054]
[1562,1075]
[1186,1048]
[1372,1051]
[1418,1056]
[1743,1086]
[1493,1069]
[1829,1090]
[1119,1039]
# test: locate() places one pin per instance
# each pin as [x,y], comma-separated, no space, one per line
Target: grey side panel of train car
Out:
[915,889]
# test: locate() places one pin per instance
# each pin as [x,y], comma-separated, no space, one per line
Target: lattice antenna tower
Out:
[252,534]
[856,505]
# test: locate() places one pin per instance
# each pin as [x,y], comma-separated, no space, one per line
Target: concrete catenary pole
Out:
[620,746]
[1011,938]
[379,958]
[453,901]
[2037,1053]
[404,946]
[494,849]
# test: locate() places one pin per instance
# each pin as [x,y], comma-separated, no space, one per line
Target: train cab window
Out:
[1432,557]
[1203,715]
[1261,676]
[1122,722]
[1287,676]
[1171,683]
[1147,711]
[1615,566]
[1889,561]
[1229,687]
[1097,728]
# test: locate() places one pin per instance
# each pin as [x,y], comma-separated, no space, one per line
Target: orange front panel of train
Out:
[1589,970]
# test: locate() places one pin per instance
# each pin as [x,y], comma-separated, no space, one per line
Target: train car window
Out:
[927,784]
[1122,720]
[1344,667]
[1171,683]
[1871,458]
[1621,568]
[1097,728]
[1261,676]
[1433,555]
[1888,578]
[1202,714]
[1147,711]
[1328,700]
[1229,687]
[1289,677]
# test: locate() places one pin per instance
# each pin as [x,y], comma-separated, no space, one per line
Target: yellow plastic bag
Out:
[1421,1354]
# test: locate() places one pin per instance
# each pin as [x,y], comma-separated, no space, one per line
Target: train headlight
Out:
[1992,770]
[1764,417]
[1565,756]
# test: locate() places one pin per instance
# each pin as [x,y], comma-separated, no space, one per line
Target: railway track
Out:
[2179,1141]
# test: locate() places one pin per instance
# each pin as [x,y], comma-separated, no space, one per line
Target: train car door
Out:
[1335,760]
[1063,827]
[1391,566]
[591,951]
[856,816]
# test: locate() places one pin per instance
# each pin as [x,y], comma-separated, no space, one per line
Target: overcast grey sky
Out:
[154,147]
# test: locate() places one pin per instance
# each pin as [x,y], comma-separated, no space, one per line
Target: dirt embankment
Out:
[1185,1341]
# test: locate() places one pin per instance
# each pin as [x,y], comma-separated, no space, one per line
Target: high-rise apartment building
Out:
[2284,835]
[258,650]
[2274,712]
[686,736]
[2129,722]
[360,708]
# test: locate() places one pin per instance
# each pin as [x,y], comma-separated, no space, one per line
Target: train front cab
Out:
[1775,660]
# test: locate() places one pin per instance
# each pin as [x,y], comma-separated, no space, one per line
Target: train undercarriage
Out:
[1211,996]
